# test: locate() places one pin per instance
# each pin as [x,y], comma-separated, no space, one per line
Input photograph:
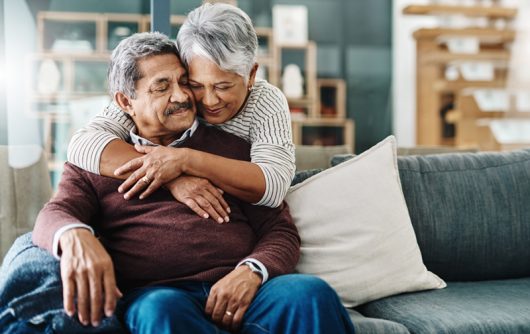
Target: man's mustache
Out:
[177,106]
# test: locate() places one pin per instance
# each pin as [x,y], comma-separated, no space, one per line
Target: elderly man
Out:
[179,273]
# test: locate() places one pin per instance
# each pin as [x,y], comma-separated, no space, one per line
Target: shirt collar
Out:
[136,139]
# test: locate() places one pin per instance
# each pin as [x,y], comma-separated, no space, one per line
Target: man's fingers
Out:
[196,208]
[209,208]
[83,301]
[68,294]
[219,310]
[238,318]
[210,303]
[218,193]
[111,292]
[130,166]
[96,299]
[217,205]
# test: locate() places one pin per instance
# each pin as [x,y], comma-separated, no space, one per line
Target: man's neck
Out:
[173,139]
[161,140]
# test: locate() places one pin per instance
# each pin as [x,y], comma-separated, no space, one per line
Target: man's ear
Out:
[124,102]
[252,76]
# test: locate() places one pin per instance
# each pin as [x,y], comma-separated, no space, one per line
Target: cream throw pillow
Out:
[356,230]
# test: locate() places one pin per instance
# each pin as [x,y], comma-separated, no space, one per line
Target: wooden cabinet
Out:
[438,84]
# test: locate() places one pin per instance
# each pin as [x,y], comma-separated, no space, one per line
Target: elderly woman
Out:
[218,46]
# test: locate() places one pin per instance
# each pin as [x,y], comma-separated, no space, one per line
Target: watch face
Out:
[254,268]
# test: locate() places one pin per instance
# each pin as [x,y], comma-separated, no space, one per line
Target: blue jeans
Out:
[285,304]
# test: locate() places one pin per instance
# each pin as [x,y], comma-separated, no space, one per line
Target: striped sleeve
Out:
[272,145]
[88,143]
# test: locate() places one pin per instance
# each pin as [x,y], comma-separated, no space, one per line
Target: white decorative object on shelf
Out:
[492,100]
[511,131]
[66,45]
[467,45]
[289,24]
[451,72]
[477,71]
[293,82]
[522,101]
[49,77]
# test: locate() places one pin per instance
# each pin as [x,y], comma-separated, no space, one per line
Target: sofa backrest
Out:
[23,192]
[470,212]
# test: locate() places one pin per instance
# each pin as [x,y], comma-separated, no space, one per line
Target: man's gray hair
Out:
[123,71]
[221,33]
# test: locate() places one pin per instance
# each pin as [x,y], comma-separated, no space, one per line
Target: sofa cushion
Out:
[366,325]
[470,212]
[355,229]
[487,307]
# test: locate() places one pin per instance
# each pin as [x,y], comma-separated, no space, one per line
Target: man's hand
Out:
[231,296]
[201,196]
[158,166]
[87,272]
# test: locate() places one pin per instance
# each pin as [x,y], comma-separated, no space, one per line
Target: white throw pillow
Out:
[356,230]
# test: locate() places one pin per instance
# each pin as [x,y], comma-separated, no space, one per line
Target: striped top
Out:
[264,122]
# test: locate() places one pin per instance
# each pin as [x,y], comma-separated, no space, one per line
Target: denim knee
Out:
[301,287]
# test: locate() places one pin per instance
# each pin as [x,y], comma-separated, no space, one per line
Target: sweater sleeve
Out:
[88,143]
[278,246]
[272,146]
[75,202]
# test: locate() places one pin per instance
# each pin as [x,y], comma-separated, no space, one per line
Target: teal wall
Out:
[353,39]
[354,43]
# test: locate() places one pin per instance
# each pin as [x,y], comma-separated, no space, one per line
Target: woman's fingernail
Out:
[228,210]
[220,220]
[227,219]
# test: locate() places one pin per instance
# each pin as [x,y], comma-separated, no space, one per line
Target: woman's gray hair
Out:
[221,33]
[123,71]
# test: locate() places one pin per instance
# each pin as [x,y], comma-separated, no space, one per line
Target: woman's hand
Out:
[158,166]
[201,196]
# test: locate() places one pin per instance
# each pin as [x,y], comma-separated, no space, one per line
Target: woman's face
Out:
[219,94]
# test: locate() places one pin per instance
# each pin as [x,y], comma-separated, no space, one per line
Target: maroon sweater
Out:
[158,239]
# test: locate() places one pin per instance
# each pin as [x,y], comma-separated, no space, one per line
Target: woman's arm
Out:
[263,181]
[242,179]
[100,147]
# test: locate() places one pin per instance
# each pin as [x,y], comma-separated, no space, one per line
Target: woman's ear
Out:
[124,102]
[252,76]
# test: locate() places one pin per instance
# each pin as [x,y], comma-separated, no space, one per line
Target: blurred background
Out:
[439,75]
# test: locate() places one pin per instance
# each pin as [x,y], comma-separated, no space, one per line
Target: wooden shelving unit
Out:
[492,12]
[433,56]
[471,122]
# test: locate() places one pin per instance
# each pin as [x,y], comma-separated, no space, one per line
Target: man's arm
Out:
[86,268]
[278,249]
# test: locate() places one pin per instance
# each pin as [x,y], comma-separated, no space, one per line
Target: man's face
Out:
[164,106]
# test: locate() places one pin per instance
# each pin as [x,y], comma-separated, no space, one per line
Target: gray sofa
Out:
[471,216]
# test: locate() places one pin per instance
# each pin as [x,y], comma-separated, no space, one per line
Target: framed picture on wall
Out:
[289,24]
